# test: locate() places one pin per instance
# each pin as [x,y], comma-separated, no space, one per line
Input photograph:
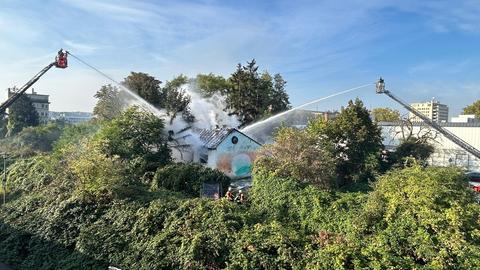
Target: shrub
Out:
[301,156]
[421,217]
[188,178]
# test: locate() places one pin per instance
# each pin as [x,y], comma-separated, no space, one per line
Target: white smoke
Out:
[209,112]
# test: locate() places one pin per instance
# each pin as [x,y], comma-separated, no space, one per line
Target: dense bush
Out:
[32,140]
[301,156]
[188,178]
[88,206]
[422,217]
[136,137]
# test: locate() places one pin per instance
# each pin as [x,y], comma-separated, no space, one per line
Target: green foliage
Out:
[211,84]
[199,235]
[31,174]
[267,246]
[421,218]
[252,95]
[176,100]
[188,178]
[74,134]
[97,174]
[136,137]
[3,125]
[385,115]
[32,140]
[147,87]
[412,148]
[299,155]
[21,114]
[109,104]
[357,141]
[473,108]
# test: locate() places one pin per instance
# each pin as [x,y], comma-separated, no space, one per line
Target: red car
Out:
[474,180]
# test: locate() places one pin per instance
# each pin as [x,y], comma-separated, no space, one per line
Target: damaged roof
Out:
[212,137]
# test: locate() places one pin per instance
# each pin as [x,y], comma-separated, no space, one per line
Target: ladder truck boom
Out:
[60,62]
[380,89]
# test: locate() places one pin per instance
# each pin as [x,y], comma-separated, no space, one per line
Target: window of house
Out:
[203,158]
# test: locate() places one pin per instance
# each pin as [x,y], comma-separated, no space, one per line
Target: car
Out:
[474,180]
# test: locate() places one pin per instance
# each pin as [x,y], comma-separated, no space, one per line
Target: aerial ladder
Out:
[380,89]
[60,62]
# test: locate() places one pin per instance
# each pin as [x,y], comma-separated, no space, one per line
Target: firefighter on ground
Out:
[240,197]
[229,194]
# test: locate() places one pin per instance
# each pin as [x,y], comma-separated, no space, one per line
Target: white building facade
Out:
[225,149]
[446,152]
[40,103]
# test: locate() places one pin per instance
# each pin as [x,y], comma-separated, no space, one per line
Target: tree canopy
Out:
[385,115]
[109,104]
[299,155]
[473,108]
[357,141]
[252,95]
[22,114]
[176,99]
[138,137]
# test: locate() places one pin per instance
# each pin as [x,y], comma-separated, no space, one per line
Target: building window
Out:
[203,158]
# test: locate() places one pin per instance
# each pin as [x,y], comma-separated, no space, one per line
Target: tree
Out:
[417,149]
[147,87]
[252,96]
[473,108]
[98,174]
[241,96]
[299,155]
[109,104]
[418,145]
[177,100]
[357,140]
[210,84]
[138,137]
[22,114]
[279,98]
[385,115]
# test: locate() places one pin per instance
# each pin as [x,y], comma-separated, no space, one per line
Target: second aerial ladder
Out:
[380,89]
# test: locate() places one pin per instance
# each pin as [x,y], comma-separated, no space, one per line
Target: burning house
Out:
[225,149]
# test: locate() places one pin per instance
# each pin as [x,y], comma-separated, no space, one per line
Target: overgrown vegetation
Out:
[108,194]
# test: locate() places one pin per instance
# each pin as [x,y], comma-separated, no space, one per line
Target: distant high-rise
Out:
[434,110]
[40,102]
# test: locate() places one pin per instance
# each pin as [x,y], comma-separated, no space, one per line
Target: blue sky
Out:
[424,49]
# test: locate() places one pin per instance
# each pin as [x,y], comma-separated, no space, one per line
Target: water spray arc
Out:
[143,103]
[263,122]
